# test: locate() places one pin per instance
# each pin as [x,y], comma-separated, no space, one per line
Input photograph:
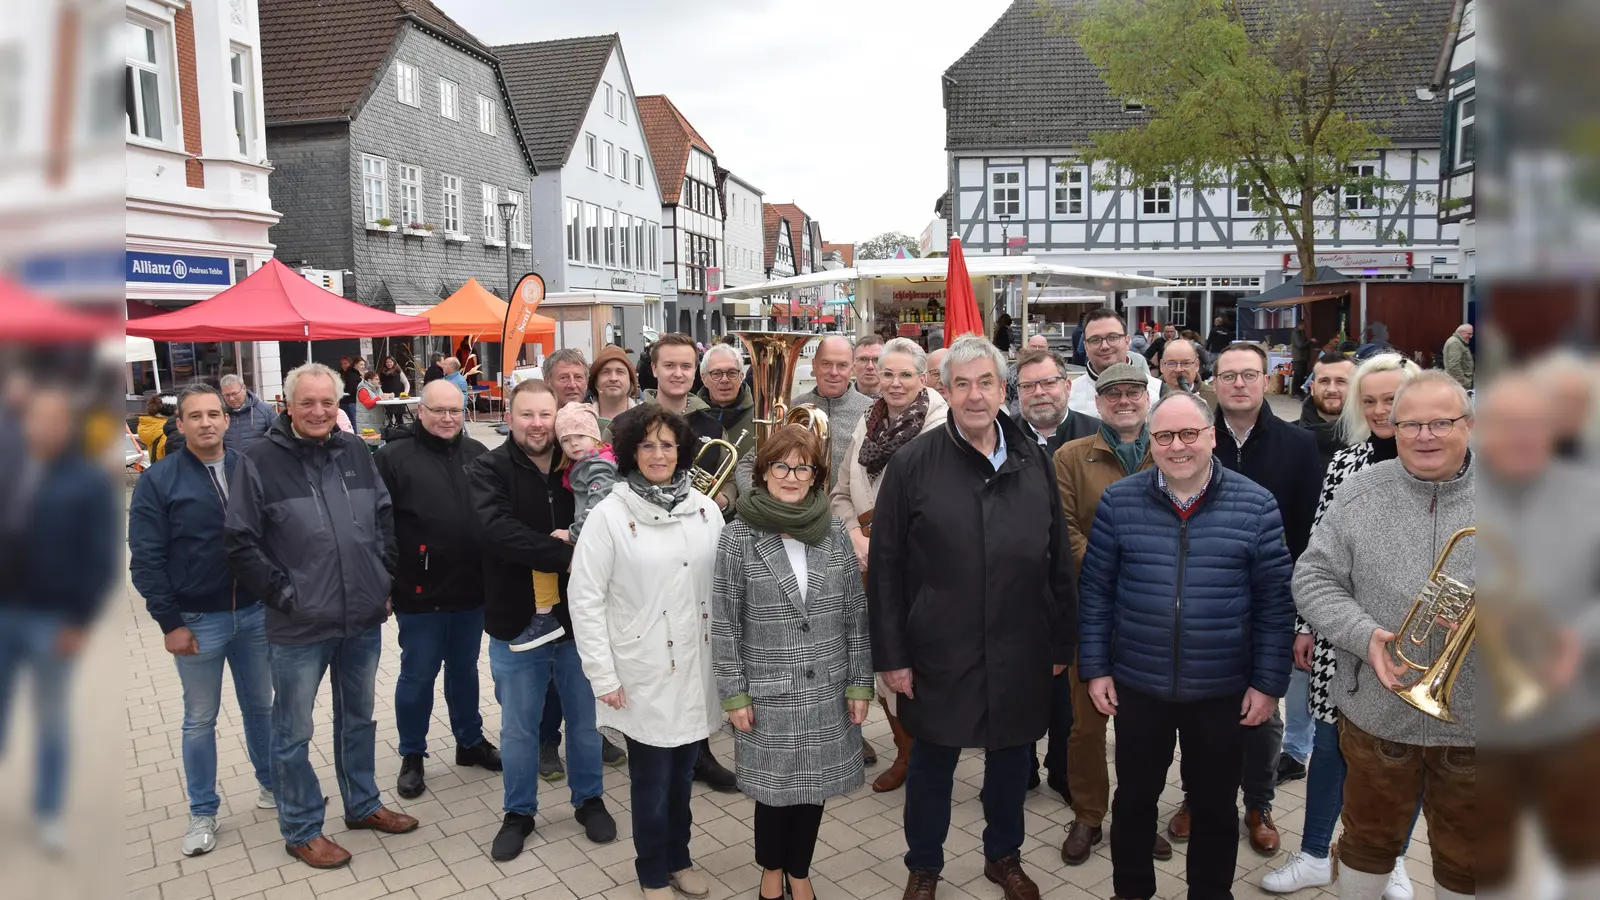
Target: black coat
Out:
[1075,425]
[440,568]
[1327,433]
[970,585]
[1282,458]
[517,507]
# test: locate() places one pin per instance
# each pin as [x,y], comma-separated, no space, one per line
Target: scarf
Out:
[884,436]
[667,496]
[808,521]
[1130,454]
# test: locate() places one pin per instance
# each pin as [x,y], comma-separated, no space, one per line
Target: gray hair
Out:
[1199,403]
[450,363]
[705,362]
[229,381]
[971,348]
[919,357]
[1353,427]
[566,355]
[313,369]
[1432,376]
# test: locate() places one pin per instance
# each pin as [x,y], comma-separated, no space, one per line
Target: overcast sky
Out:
[831,104]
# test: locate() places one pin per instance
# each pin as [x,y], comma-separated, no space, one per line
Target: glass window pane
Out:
[236,64]
[240,123]
[150,104]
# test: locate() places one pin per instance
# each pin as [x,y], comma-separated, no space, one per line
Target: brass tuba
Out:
[710,483]
[1444,603]
[774,356]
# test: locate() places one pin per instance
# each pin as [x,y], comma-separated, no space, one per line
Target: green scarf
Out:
[1130,454]
[807,521]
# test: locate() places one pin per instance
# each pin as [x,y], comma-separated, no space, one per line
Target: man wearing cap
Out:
[614,385]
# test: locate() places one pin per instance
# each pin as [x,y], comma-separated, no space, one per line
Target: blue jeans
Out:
[28,638]
[662,778]
[930,778]
[520,683]
[550,725]
[238,638]
[1325,793]
[427,642]
[1298,733]
[297,671]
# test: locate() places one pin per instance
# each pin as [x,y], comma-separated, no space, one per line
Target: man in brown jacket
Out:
[1084,469]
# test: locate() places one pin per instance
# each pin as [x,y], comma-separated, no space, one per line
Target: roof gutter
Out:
[325,120]
[1441,68]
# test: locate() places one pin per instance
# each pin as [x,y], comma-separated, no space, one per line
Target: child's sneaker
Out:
[542,629]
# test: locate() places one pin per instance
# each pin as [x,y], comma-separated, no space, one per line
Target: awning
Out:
[934,269]
[1300,301]
[472,310]
[31,318]
[138,349]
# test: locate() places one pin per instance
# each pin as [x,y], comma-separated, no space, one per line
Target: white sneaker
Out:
[1301,871]
[265,800]
[1399,883]
[201,836]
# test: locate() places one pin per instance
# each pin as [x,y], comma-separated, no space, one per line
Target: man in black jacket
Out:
[438,583]
[1042,387]
[973,605]
[1319,414]
[523,511]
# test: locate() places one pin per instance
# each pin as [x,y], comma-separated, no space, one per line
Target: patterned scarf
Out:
[667,496]
[885,436]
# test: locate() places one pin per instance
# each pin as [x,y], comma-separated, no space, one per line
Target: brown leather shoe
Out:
[920,886]
[1163,849]
[1014,883]
[893,777]
[384,820]
[1080,843]
[1178,828]
[1263,834]
[320,853]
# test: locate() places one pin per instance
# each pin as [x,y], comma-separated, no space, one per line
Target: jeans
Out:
[520,683]
[1325,794]
[1213,753]
[1298,733]
[662,780]
[28,638]
[238,638]
[427,642]
[550,724]
[297,671]
[1055,756]
[930,777]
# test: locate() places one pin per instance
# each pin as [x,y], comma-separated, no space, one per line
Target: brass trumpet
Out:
[1445,603]
[710,483]
[774,356]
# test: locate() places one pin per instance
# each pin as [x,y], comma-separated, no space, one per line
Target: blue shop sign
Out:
[166,268]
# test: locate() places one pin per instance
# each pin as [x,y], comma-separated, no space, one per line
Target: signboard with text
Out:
[169,268]
[1382,259]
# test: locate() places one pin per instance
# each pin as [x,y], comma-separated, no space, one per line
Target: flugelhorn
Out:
[710,483]
[1446,603]
[774,356]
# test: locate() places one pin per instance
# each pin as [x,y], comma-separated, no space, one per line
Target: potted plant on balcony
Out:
[382,225]
[418,229]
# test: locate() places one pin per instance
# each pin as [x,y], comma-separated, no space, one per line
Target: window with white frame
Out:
[1005,193]
[591,152]
[1359,197]
[638,245]
[1246,194]
[147,77]
[405,83]
[1068,190]
[1466,138]
[622,107]
[591,234]
[1178,314]
[450,207]
[654,232]
[516,215]
[624,240]
[608,222]
[244,119]
[622,163]
[374,187]
[609,101]
[486,115]
[449,104]
[410,179]
[638,171]
[491,228]
[611,158]
[1156,200]
[574,211]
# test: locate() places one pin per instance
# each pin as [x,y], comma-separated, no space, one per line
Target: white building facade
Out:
[744,248]
[1458,88]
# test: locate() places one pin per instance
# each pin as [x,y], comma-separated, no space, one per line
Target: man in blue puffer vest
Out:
[1186,630]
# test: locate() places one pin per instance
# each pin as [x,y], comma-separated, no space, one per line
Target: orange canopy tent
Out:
[474,312]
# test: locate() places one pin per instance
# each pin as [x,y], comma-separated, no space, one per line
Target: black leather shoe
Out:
[1290,769]
[482,754]
[598,826]
[514,830]
[410,784]
[712,773]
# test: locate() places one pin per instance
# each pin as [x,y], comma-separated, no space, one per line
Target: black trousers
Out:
[786,836]
[1213,762]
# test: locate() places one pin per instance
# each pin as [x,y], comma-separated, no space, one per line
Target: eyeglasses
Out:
[1043,384]
[1173,365]
[1248,377]
[1099,339]
[1187,435]
[800,473]
[1133,393]
[653,447]
[445,412]
[723,374]
[1437,428]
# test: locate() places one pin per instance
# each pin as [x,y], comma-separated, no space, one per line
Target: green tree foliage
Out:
[884,245]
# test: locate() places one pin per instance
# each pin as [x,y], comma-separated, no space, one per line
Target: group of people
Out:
[1129,549]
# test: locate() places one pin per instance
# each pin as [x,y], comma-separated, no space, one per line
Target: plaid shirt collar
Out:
[1182,505]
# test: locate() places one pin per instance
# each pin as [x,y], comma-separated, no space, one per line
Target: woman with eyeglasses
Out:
[904,409]
[793,661]
[640,603]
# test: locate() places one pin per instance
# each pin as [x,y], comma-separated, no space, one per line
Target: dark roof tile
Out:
[552,84]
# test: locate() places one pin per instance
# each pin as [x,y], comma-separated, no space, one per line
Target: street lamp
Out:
[507,209]
[1005,250]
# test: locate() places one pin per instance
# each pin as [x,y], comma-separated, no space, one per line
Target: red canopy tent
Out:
[26,317]
[961,307]
[275,304]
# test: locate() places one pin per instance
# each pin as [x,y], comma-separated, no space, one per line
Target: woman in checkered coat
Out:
[790,653]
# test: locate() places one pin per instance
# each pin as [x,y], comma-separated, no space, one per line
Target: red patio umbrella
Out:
[961,307]
[26,317]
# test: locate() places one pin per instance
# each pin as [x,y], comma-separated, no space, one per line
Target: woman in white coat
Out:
[640,599]
[904,409]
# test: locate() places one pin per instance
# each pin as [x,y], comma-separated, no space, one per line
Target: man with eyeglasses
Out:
[1180,371]
[728,398]
[867,351]
[438,583]
[1187,629]
[1374,547]
[1105,344]
[1042,384]
[1282,458]
[1013,395]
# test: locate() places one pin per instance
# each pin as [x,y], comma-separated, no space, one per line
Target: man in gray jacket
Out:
[249,417]
[1368,557]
